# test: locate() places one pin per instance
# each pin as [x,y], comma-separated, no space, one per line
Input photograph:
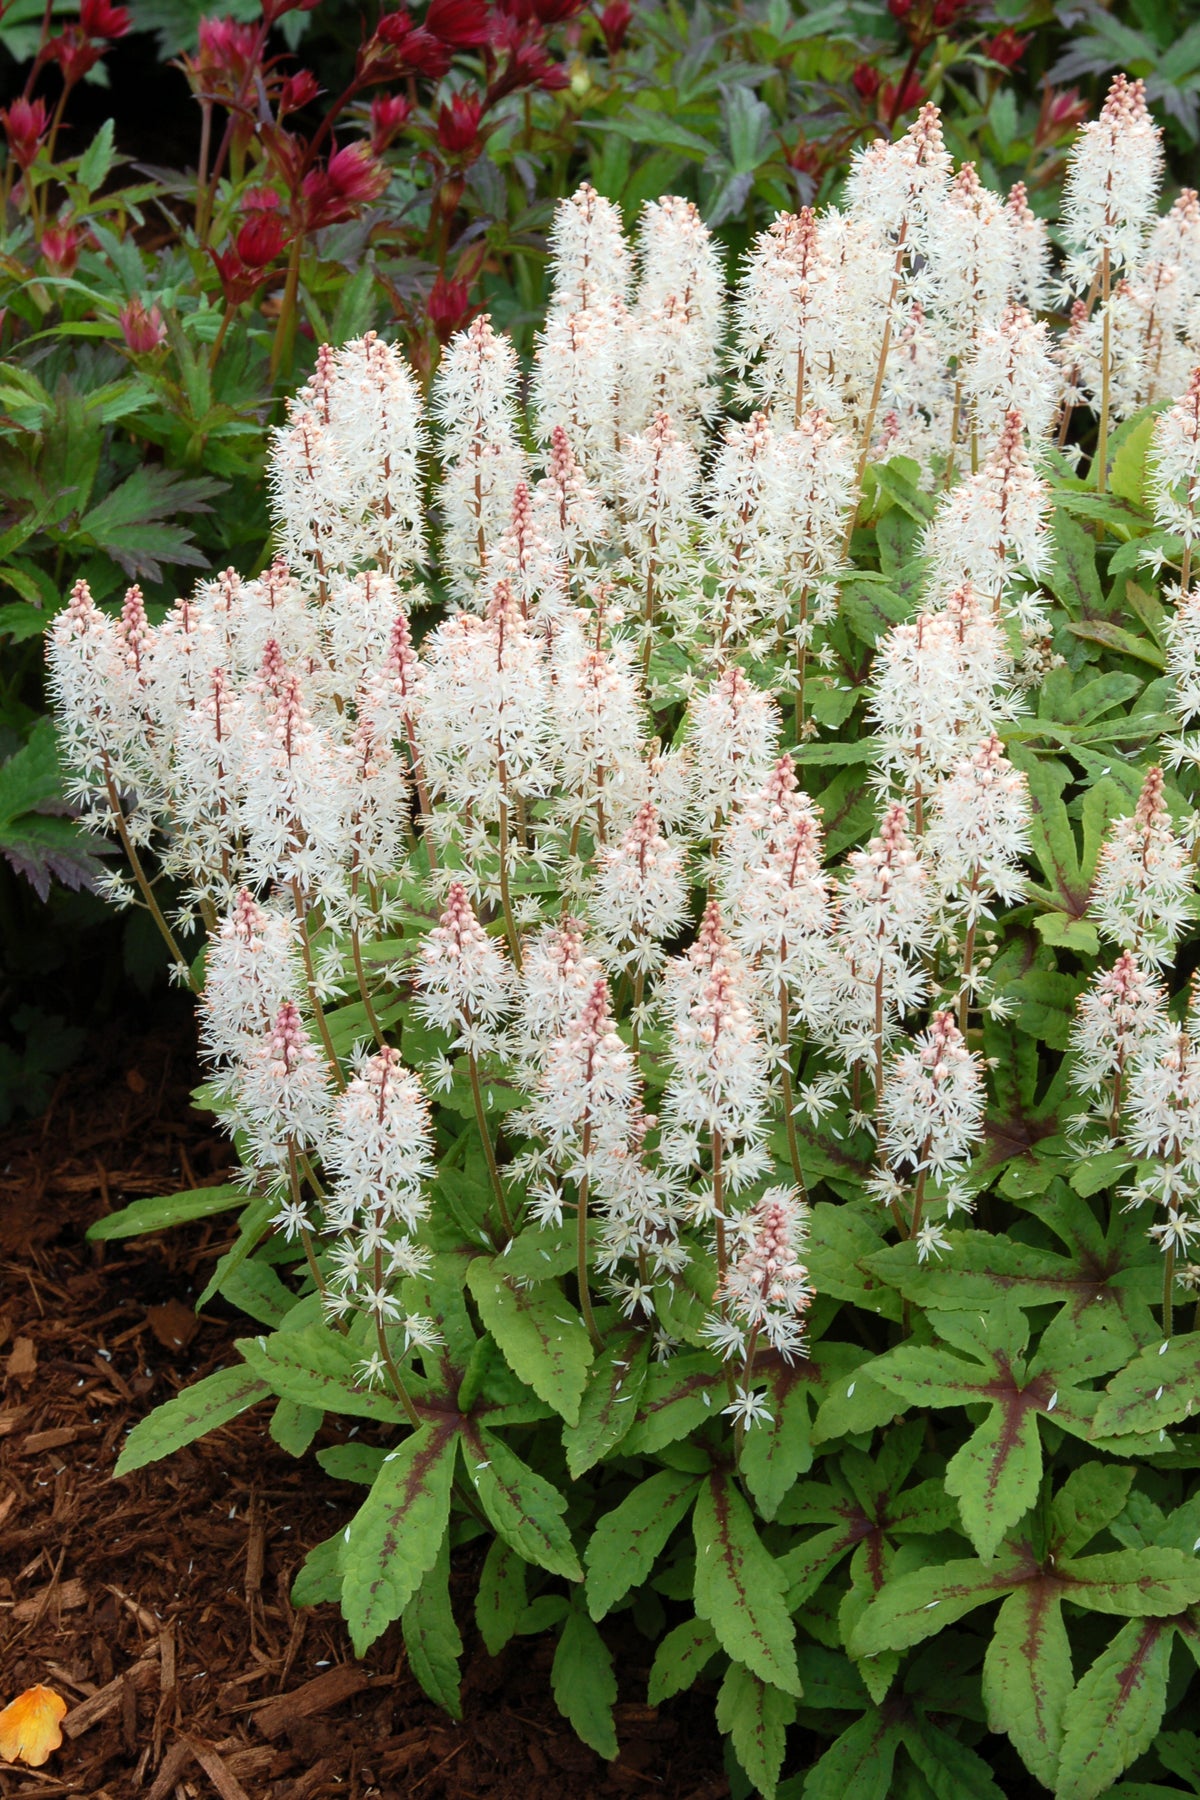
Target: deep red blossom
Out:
[75,54]
[945,12]
[60,247]
[900,9]
[1062,112]
[224,59]
[1006,48]
[261,239]
[449,307]
[299,90]
[458,126]
[100,19]
[351,179]
[273,10]
[614,22]
[866,80]
[26,123]
[400,47]
[144,332]
[911,95]
[462,23]
[390,113]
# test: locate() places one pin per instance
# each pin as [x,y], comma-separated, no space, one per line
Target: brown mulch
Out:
[157,1606]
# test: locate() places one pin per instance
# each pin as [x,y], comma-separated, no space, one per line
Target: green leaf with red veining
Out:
[740,1587]
[394,1538]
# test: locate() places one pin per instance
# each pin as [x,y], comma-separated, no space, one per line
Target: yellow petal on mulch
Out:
[29,1726]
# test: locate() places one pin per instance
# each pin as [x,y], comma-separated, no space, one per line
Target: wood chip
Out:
[22,1359]
[11,1419]
[98,1706]
[66,1595]
[174,1763]
[173,1324]
[316,1696]
[49,1440]
[222,1778]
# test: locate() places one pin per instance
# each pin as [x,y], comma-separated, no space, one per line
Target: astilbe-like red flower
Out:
[911,95]
[60,247]
[297,92]
[75,54]
[449,307]
[1006,48]
[144,332]
[350,179]
[390,113]
[461,23]
[458,126]
[224,59]
[101,19]
[867,80]
[26,123]
[614,22]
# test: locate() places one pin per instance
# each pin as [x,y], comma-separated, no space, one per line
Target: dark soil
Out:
[158,1606]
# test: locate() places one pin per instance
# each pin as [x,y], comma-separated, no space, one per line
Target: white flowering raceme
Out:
[1029,243]
[765,1293]
[734,730]
[933,1102]
[1144,891]
[283,1098]
[969,241]
[1174,467]
[640,893]
[993,526]
[1010,369]
[717,1090]
[673,335]
[464,983]
[474,396]
[789,322]
[1112,184]
[979,831]
[773,887]
[1120,1014]
[590,261]
[484,731]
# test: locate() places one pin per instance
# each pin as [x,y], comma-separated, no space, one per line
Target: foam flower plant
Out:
[691,899]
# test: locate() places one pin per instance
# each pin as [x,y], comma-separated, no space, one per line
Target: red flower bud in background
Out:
[458,126]
[449,307]
[866,81]
[400,47]
[900,9]
[25,125]
[351,178]
[224,61]
[804,157]
[911,95]
[390,113]
[60,247]
[261,239]
[1006,48]
[144,332]
[462,23]
[299,90]
[945,12]
[75,54]
[554,12]
[614,22]
[273,10]
[1062,112]
[100,19]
